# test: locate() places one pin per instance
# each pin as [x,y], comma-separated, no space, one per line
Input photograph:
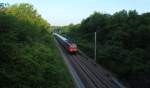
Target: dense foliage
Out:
[123,41]
[28,56]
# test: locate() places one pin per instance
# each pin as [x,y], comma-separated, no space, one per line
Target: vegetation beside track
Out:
[123,43]
[28,55]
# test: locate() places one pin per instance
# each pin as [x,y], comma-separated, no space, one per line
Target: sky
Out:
[64,12]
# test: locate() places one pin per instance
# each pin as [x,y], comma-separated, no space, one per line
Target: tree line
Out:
[123,43]
[28,55]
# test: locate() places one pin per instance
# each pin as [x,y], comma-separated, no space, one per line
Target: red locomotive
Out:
[70,46]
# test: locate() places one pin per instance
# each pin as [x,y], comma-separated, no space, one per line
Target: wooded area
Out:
[28,56]
[123,43]
[30,59]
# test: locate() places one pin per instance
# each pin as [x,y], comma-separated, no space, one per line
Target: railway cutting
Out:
[83,69]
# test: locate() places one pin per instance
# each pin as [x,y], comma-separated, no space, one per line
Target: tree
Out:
[123,41]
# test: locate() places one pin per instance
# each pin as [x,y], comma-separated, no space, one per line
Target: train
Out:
[69,45]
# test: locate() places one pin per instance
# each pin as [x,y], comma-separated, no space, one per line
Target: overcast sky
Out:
[64,12]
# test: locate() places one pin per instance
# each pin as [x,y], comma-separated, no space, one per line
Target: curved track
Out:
[91,74]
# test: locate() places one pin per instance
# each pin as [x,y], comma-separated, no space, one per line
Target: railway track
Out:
[93,79]
[101,73]
[91,75]
[102,76]
[94,75]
